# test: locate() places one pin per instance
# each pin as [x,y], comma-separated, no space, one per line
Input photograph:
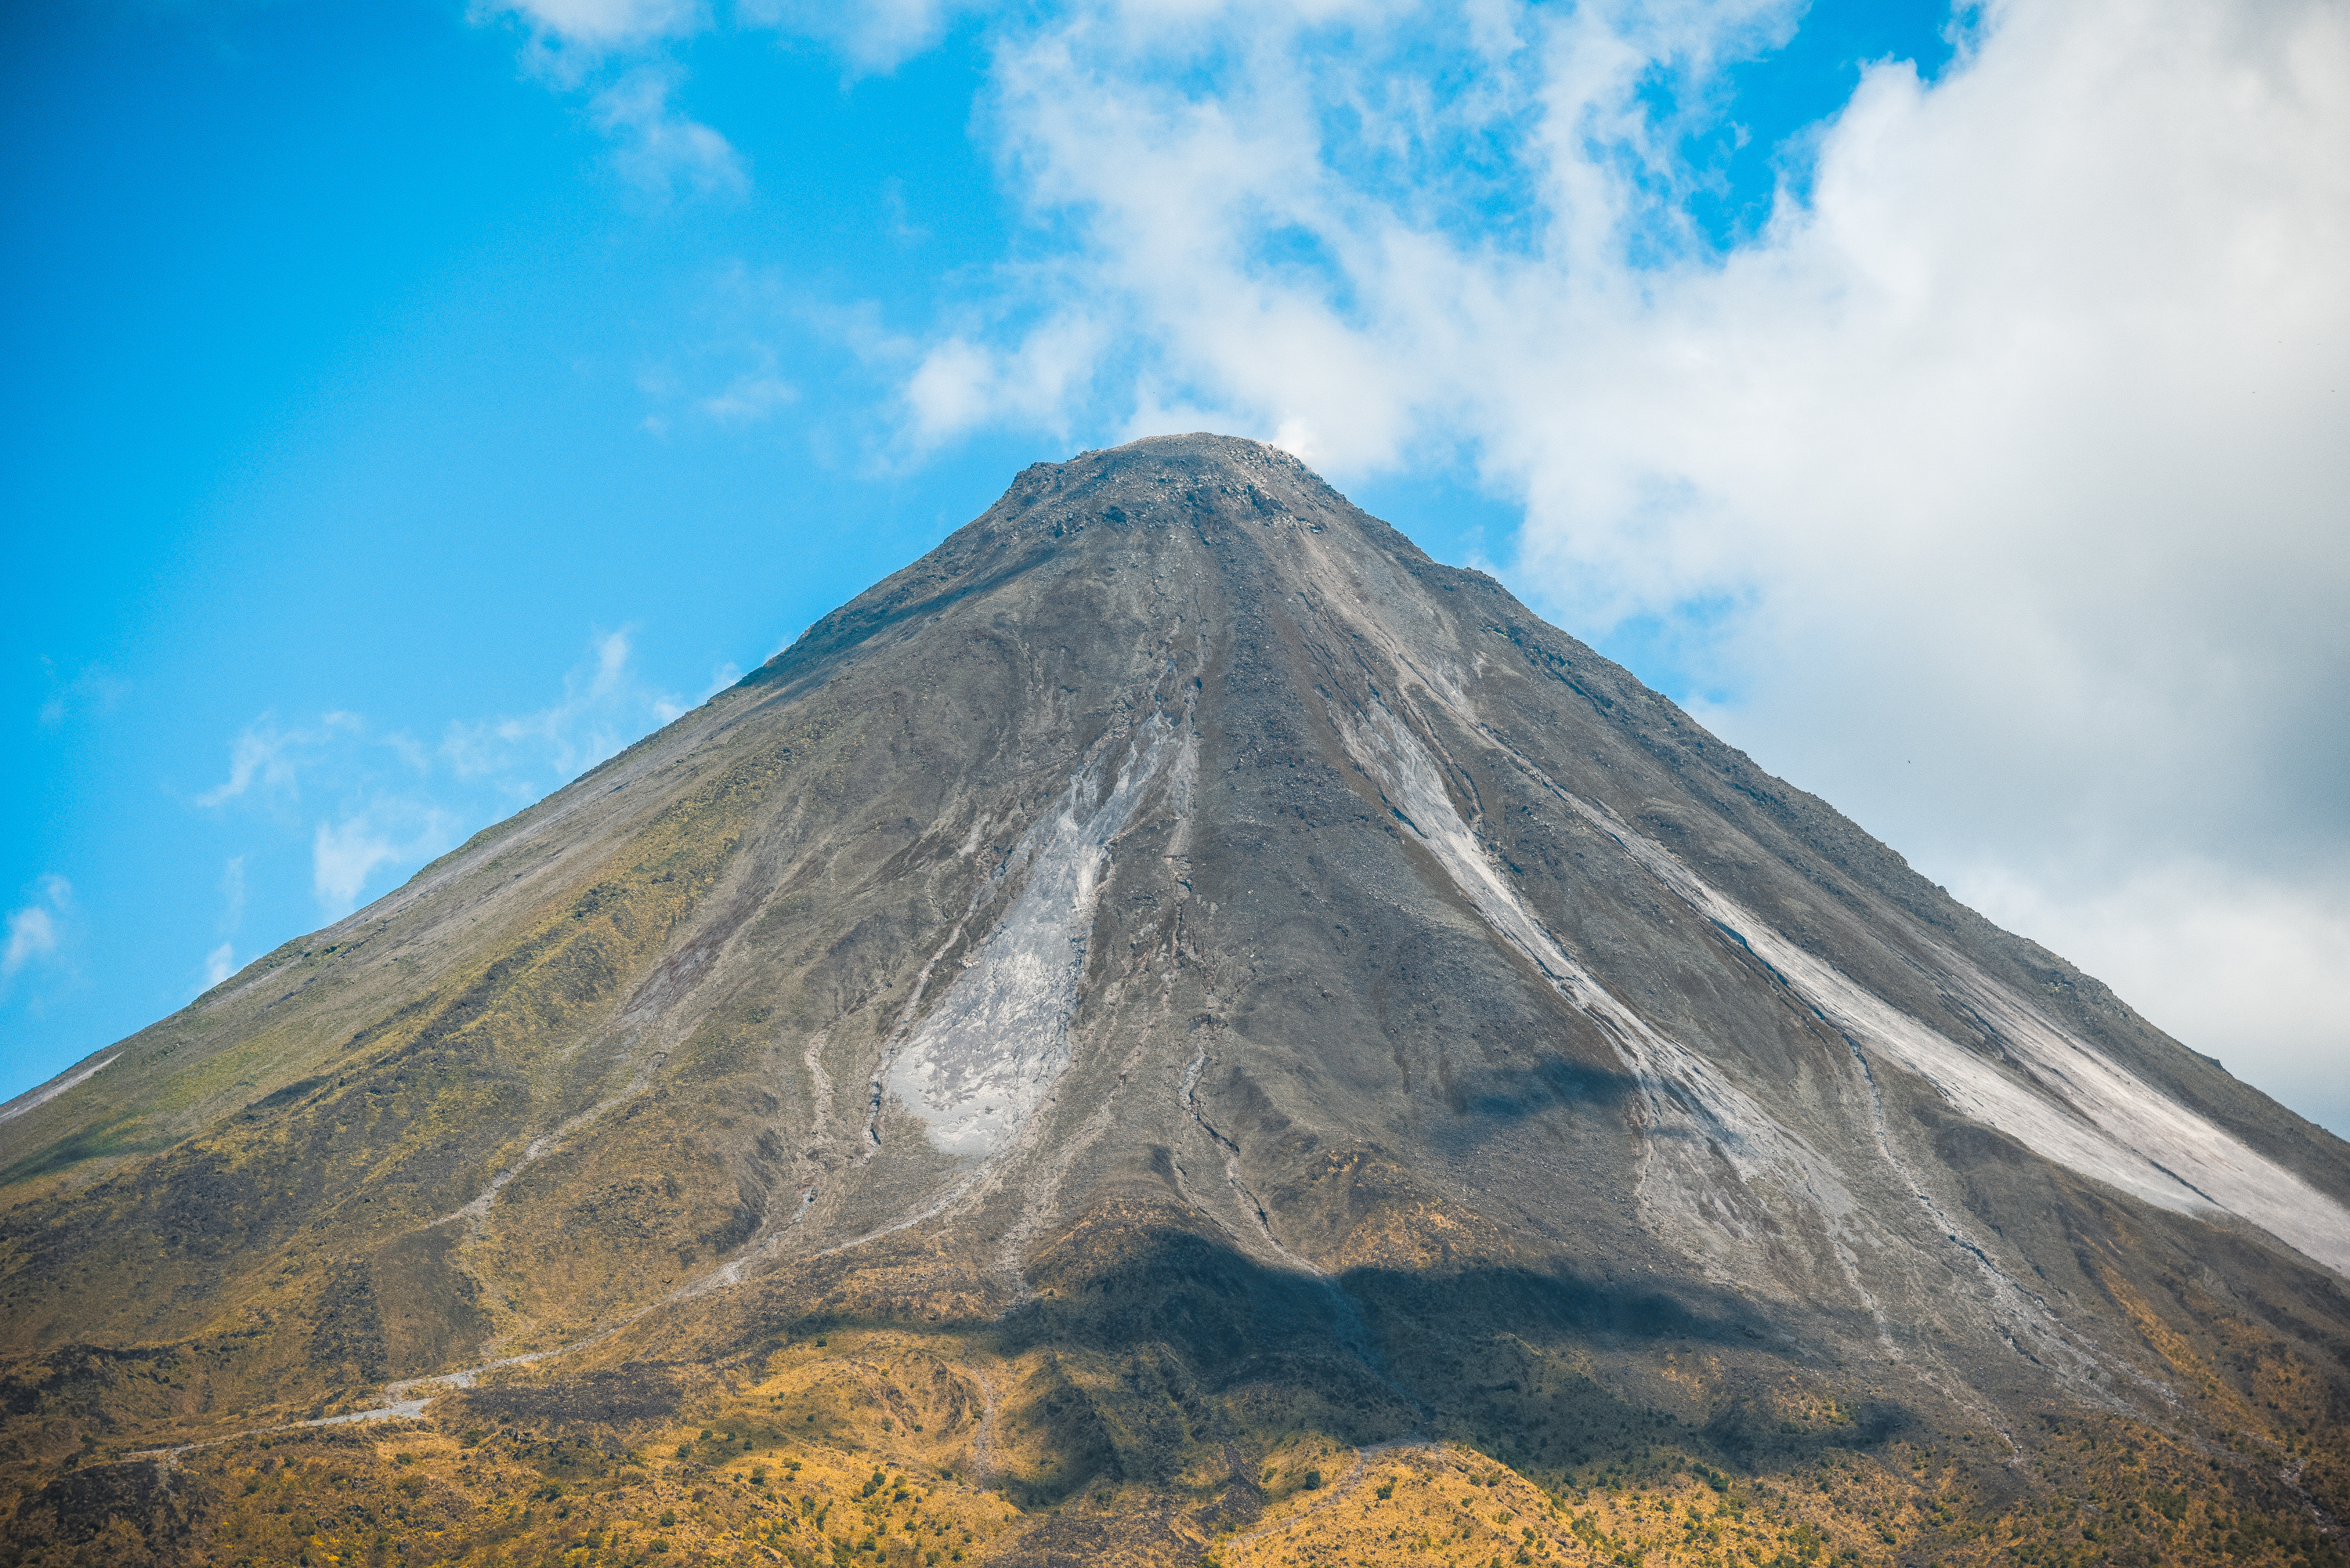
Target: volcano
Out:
[1175,1026]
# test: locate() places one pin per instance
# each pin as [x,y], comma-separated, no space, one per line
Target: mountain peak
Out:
[1179,502]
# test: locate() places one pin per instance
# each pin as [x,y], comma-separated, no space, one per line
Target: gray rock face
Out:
[1334,844]
[1178,894]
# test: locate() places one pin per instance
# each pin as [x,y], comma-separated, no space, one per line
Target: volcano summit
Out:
[1174,1026]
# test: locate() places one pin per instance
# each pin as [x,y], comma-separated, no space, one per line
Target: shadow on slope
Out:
[1154,1354]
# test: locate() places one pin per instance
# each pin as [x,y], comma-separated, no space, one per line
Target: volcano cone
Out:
[1169,1015]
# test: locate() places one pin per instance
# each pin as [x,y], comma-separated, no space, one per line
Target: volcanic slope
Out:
[1168,1014]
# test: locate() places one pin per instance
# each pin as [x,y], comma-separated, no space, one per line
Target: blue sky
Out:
[411,404]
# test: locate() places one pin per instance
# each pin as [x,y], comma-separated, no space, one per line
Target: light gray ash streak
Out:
[977,1068]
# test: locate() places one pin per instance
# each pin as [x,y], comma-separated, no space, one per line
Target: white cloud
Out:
[656,148]
[878,36]
[33,929]
[342,854]
[873,37]
[259,753]
[273,759]
[219,964]
[370,801]
[31,935]
[389,832]
[594,24]
[573,44]
[604,707]
[752,396]
[961,385]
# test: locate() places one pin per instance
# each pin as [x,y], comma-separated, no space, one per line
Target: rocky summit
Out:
[1174,1029]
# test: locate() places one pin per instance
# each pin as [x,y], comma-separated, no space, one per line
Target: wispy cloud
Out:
[221,961]
[588,28]
[368,801]
[389,832]
[33,928]
[628,47]
[732,374]
[617,54]
[874,37]
[271,760]
[878,35]
[749,398]
[659,149]
[31,935]
[94,691]
[604,707]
